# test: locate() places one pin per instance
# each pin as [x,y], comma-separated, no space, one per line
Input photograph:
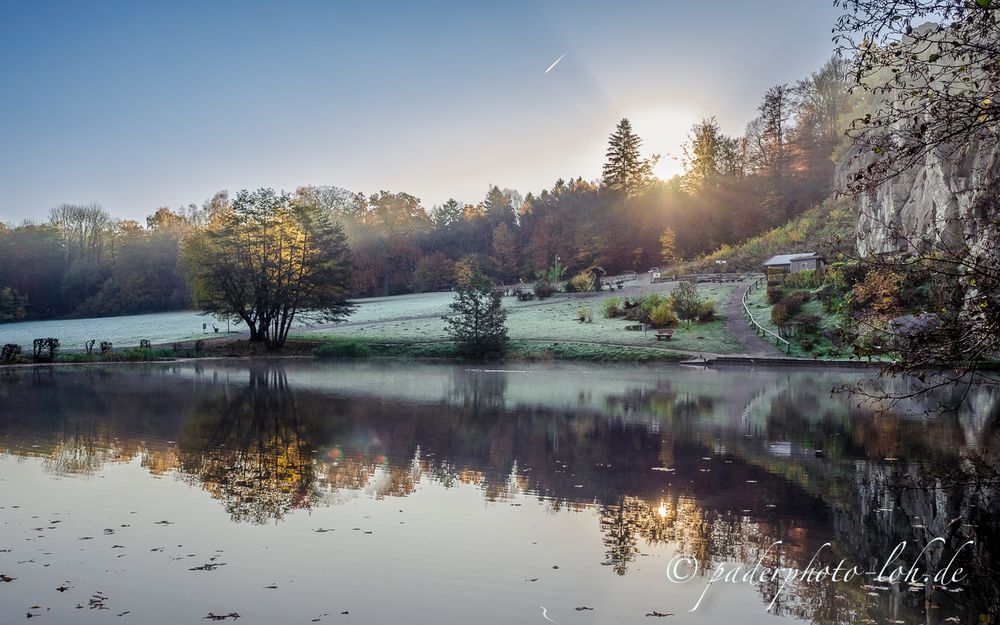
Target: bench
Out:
[664,335]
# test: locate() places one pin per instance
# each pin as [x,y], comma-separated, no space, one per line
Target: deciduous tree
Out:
[270,261]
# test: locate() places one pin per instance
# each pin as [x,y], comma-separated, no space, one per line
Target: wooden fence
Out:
[761,330]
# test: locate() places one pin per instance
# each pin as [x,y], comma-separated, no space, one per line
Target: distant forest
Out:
[83,262]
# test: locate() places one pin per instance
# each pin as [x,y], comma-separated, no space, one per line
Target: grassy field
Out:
[553,321]
[411,326]
[340,347]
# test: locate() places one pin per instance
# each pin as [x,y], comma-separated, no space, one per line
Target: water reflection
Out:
[251,448]
[716,465]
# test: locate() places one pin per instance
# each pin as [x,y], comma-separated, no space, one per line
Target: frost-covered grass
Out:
[125,331]
[517,350]
[590,352]
[374,309]
[823,346]
[554,320]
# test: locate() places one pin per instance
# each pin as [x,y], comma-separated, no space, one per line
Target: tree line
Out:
[83,262]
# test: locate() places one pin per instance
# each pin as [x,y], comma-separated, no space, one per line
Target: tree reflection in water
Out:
[740,468]
[249,448]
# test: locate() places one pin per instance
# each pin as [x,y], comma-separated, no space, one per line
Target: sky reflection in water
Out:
[288,492]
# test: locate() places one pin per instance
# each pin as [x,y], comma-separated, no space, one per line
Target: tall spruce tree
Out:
[625,171]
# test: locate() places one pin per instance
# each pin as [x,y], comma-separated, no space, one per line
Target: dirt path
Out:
[738,326]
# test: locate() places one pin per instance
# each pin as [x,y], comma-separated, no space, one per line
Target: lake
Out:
[373,492]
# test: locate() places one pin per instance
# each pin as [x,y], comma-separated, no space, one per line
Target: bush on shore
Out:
[613,307]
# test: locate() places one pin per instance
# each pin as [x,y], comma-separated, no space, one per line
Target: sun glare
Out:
[668,167]
[664,131]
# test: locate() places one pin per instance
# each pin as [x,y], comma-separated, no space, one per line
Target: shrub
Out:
[828,296]
[547,279]
[585,314]
[847,274]
[780,313]
[807,343]
[581,282]
[774,294]
[10,352]
[613,307]
[806,279]
[544,290]
[788,307]
[707,311]
[794,302]
[45,349]
[686,301]
[810,323]
[879,295]
[477,320]
[663,315]
[343,348]
[647,304]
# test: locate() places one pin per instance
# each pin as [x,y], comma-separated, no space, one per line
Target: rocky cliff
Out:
[941,200]
[931,204]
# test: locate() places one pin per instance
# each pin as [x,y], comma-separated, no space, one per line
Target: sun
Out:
[668,167]
[663,129]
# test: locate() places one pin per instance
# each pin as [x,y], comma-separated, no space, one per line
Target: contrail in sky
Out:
[556,62]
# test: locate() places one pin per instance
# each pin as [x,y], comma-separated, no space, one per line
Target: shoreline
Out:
[524,350]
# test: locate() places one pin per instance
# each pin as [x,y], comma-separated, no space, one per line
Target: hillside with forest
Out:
[85,262]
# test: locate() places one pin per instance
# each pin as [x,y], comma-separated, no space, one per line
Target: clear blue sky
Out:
[137,105]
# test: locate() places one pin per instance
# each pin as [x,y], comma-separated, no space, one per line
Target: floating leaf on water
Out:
[211,566]
[222,617]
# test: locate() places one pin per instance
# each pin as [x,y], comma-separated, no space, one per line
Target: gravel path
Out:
[738,326]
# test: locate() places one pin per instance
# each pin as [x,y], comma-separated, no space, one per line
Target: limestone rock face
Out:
[929,204]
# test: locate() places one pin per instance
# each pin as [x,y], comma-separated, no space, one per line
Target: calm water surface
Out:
[300,492]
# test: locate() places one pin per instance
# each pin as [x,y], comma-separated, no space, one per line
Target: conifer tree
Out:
[478,321]
[625,171]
